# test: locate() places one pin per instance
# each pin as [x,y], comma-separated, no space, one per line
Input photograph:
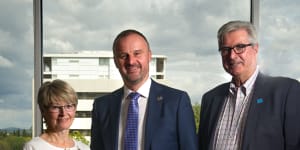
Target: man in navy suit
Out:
[165,115]
[253,111]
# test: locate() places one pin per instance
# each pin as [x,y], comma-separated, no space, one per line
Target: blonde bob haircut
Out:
[56,91]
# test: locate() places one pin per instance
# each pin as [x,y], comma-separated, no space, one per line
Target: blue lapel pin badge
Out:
[259,101]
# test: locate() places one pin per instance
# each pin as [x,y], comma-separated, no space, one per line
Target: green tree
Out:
[24,133]
[4,145]
[78,136]
[13,142]
[196,109]
[3,134]
[18,132]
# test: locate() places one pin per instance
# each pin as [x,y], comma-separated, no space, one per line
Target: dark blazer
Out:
[273,121]
[169,116]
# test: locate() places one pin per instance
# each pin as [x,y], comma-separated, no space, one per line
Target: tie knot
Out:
[134,96]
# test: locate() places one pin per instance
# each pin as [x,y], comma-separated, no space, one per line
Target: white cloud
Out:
[5,63]
[57,44]
[5,40]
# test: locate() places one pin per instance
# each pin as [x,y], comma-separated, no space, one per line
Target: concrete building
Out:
[91,74]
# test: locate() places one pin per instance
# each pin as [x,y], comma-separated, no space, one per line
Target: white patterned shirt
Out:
[231,123]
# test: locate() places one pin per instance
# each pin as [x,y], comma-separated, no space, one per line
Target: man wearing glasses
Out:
[252,111]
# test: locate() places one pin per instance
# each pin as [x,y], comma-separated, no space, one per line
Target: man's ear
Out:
[150,55]
[256,47]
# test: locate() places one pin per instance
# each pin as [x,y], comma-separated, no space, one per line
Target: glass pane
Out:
[279,36]
[182,36]
[16,68]
[183,31]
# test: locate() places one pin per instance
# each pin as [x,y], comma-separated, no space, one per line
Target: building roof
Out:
[89,53]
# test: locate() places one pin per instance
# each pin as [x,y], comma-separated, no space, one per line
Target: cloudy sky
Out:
[184,31]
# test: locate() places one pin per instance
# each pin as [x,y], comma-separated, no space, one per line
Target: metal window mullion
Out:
[38,63]
[254,14]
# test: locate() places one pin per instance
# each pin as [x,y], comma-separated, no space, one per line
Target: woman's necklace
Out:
[75,145]
[66,144]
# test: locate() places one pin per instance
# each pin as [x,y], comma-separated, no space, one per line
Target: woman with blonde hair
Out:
[57,101]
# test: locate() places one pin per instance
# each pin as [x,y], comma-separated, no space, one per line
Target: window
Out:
[16,64]
[279,38]
[179,31]
[183,31]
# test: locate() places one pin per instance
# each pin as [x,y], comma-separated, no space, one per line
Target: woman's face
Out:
[59,116]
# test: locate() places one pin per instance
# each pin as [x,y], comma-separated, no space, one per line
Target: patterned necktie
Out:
[131,133]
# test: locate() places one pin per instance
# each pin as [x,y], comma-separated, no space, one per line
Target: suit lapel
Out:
[255,109]
[216,106]
[153,113]
[115,104]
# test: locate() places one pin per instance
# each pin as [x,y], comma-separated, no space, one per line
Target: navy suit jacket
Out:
[273,121]
[169,124]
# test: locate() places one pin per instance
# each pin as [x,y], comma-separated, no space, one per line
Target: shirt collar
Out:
[144,90]
[248,85]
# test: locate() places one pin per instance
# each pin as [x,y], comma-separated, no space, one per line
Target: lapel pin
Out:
[159,98]
[259,101]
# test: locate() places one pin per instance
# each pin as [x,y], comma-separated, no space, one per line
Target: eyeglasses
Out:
[238,49]
[56,109]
